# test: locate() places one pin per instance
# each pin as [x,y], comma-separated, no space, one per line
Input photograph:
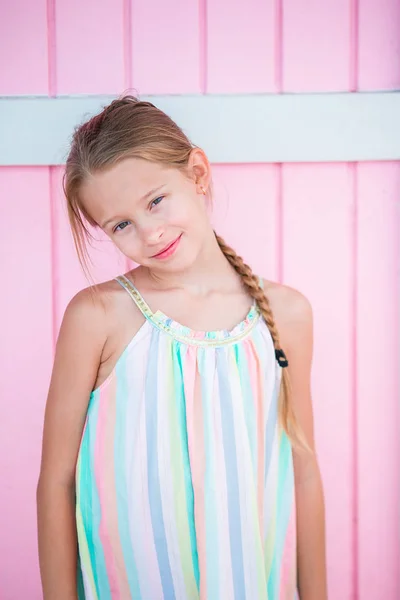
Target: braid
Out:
[250,281]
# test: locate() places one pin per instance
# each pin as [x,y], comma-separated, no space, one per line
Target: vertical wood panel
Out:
[90,46]
[241,44]
[246,201]
[378,381]
[379,44]
[317,261]
[23,47]
[165,46]
[26,356]
[107,261]
[316,45]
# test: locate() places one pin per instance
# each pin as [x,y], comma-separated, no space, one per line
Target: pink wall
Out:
[331,230]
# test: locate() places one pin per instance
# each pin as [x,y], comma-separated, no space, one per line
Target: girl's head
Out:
[133,172]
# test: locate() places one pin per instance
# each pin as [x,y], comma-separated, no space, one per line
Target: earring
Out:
[203,190]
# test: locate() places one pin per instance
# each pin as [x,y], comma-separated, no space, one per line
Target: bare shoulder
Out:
[103,319]
[292,311]
[93,306]
[84,316]
[93,300]
[84,327]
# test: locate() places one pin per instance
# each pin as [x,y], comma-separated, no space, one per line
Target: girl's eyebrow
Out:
[150,193]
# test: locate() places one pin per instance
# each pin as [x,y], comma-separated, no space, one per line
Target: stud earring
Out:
[203,190]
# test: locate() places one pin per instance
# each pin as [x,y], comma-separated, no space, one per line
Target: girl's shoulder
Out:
[105,319]
[99,300]
[286,296]
[92,303]
[291,308]
[104,304]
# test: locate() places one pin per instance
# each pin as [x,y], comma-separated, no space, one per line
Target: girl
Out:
[177,461]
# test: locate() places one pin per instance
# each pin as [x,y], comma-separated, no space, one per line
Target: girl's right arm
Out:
[78,353]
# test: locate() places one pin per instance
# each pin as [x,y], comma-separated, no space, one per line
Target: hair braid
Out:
[286,414]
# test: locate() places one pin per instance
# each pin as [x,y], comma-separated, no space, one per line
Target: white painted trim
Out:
[231,128]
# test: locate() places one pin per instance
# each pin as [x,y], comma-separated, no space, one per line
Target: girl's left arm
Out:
[297,342]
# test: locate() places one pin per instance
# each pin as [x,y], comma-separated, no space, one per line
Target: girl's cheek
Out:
[123,244]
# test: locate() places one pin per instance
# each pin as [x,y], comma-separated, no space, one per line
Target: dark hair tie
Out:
[281,358]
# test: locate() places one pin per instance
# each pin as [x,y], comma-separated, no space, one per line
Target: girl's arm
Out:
[78,353]
[298,340]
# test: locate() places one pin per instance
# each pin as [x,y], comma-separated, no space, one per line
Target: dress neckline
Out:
[186,334]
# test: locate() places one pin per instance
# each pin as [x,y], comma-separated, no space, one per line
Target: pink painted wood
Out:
[379,45]
[23,47]
[248,194]
[317,260]
[316,45]
[89,51]
[241,47]
[26,356]
[166,47]
[377,380]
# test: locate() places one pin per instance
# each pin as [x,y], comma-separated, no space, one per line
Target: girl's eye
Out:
[156,201]
[121,226]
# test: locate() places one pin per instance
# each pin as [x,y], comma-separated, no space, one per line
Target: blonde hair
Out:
[129,127]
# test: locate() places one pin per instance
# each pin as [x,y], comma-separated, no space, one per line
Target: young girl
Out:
[177,461]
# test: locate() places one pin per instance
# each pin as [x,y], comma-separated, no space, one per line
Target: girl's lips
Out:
[169,250]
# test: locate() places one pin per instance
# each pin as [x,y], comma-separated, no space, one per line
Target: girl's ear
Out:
[199,169]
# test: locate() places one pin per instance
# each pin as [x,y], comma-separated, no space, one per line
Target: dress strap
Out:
[135,295]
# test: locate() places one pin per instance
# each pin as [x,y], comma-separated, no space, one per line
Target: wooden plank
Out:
[232,129]
[89,47]
[23,47]
[379,45]
[316,46]
[378,380]
[317,260]
[165,47]
[246,200]
[241,47]
[26,358]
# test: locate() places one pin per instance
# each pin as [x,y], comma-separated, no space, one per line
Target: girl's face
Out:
[155,215]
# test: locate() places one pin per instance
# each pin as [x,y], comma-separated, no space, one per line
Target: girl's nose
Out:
[152,235]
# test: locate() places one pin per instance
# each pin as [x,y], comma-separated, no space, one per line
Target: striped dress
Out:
[184,481]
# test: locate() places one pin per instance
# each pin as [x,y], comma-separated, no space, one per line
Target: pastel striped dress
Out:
[184,481]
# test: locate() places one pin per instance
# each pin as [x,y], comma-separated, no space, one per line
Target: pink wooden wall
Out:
[331,230]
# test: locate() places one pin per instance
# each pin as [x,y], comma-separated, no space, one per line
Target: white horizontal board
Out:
[253,128]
